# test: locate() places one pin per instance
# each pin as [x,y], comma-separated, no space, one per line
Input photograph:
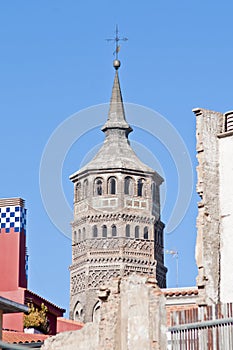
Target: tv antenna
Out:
[175,255]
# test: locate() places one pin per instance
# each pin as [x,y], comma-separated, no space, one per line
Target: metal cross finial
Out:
[117,39]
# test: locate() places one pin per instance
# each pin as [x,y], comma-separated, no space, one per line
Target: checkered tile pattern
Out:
[12,218]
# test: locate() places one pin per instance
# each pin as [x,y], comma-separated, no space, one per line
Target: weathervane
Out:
[117,39]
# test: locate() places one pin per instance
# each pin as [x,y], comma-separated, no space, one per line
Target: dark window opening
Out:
[128,186]
[114,231]
[95,231]
[146,234]
[104,231]
[127,231]
[112,186]
[140,187]
[137,232]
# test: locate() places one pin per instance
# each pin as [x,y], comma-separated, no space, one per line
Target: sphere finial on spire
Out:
[116,64]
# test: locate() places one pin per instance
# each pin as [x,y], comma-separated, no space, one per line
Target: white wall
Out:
[226,217]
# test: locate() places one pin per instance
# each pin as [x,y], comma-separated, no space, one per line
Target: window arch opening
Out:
[78,312]
[84,233]
[78,192]
[140,188]
[85,189]
[75,237]
[114,230]
[112,185]
[128,186]
[95,231]
[104,231]
[127,230]
[98,187]
[146,233]
[136,232]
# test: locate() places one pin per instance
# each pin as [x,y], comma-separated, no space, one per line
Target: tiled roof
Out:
[21,337]
[176,292]
[29,293]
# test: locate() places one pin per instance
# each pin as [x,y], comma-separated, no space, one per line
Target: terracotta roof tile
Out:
[29,292]
[175,292]
[21,337]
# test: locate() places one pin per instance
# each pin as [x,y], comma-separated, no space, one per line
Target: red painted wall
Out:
[12,260]
[14,321]
[64,325]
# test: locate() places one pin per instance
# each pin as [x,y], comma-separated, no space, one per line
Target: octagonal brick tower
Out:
[116,229]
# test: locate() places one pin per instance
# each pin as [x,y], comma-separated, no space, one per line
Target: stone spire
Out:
[116,115]
[116,151]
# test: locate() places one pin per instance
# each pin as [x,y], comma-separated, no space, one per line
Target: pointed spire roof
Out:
[116,152]
[116,115]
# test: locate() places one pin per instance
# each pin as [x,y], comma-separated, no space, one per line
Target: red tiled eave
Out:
[21,337]
[176,292]
[29,293]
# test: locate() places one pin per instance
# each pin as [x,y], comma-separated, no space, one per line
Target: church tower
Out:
[117,228]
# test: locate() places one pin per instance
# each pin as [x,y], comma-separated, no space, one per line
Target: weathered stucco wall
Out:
[132,316]
[208,126]
[226,215]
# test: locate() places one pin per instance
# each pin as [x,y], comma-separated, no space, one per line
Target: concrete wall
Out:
[132,316]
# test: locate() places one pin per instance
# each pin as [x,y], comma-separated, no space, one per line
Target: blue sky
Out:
[55,62]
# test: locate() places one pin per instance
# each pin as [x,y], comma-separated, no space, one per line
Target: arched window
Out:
[96,312]
[141,187]
[78,312]
[84,233]
[75,237]
[95,231]
[128,186]
[146,235]
[78,192]
[98,187]
[114,230]
[104,231]
[85,188]
[137,232]
[79,235]
[127,231]
[112,185]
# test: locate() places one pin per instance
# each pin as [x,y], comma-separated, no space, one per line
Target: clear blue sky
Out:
[55,62]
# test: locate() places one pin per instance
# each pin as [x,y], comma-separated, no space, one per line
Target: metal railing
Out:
[209,328]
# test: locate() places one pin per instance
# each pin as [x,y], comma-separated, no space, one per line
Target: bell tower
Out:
[116,229]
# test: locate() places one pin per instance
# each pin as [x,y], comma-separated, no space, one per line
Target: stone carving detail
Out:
[114,217]
[97,278]
[128,270]
[78,283]
[130,246]
[109,243]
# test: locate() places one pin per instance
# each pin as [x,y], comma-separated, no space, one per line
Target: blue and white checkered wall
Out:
[12,218]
